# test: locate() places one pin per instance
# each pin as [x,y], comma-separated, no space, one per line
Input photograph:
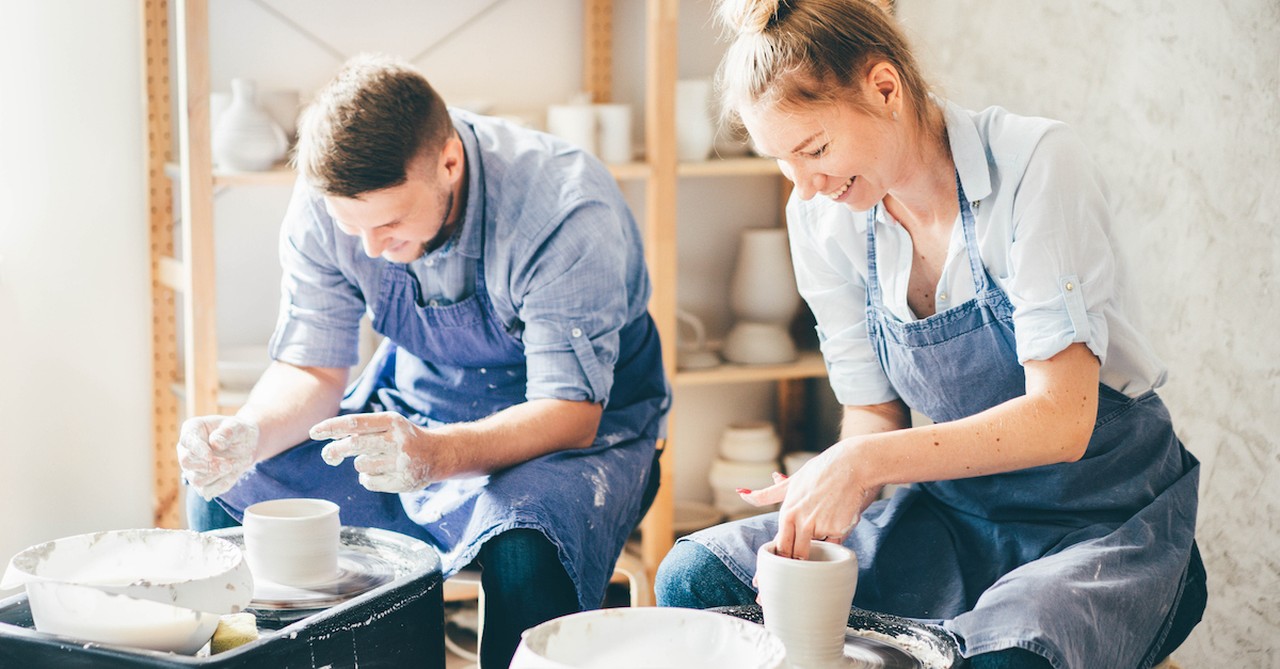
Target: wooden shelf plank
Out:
[808,366]
[729,167]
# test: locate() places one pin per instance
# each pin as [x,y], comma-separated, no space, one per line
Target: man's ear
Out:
[452,159]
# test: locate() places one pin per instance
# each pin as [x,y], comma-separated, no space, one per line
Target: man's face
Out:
[399,222]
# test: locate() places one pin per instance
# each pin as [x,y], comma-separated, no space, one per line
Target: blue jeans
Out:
[524,582]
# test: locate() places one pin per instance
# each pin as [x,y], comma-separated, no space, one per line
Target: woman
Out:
[959,264]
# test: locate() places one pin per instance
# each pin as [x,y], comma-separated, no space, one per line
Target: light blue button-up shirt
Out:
[563,260]
[1043,229]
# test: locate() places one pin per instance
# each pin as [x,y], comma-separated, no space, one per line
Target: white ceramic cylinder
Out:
[806,603]
[293,542]
[695,133]
[614,133]
[575,124]
[763,287]
[754,441]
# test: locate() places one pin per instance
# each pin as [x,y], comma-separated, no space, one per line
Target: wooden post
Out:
[597,53]
[155,28]
[660,240]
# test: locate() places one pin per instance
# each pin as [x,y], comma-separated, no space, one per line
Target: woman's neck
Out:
[925,196]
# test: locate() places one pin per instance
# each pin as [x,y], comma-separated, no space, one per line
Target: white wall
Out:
[75,339]
[1180,103]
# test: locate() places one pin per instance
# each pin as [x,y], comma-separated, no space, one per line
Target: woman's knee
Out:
[693,577]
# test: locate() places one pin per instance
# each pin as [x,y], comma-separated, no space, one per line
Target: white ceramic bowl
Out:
[648,637]
[87,613]
[751,441]
[181,568]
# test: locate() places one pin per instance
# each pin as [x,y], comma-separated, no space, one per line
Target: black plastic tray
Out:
[399,624]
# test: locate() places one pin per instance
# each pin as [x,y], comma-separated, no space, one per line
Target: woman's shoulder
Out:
[1014,138]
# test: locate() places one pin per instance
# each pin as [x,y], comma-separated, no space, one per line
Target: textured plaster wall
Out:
[1180,103]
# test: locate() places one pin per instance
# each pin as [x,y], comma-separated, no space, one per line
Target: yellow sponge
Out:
[235,629]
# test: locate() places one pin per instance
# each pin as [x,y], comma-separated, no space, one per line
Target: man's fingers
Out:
[334,452]
[350,424]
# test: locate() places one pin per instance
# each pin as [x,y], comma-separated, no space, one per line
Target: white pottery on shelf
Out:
[574,123]
[613,138]
[726,476]
[764,299]
[754,441]
[246,138]
[293,541]
[693,353]
[648,637]
[806,603]
[695,132]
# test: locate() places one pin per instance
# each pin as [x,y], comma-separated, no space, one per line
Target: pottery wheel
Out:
[865,653]
[367,559]
[358,573]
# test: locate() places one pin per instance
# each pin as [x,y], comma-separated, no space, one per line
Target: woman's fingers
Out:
[766,496]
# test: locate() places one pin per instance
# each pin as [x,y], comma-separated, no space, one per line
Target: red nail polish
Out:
[743,491]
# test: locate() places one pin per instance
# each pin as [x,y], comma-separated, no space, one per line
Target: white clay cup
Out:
[806,603]
[293,542]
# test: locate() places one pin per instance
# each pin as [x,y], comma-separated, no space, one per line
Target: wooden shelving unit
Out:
[191,273]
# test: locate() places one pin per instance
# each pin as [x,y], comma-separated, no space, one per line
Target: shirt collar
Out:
[470,237]
[968,152]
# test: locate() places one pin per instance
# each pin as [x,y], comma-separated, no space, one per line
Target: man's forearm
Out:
[520,433]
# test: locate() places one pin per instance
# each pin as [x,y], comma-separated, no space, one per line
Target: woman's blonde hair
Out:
[795,52]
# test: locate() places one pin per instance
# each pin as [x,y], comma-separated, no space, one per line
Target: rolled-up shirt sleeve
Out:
[824,245]
[1061,264]
[320,306]
[570,293]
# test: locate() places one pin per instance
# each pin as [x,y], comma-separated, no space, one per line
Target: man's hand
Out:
[215,451]
[391,453]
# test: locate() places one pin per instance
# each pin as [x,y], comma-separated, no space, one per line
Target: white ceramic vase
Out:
[764,298]
[754,441]
[806,603]
[246,138]
[695,133]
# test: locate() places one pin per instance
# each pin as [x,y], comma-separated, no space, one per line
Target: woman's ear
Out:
[884,87]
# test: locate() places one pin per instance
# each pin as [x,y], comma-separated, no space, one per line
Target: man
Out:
[510,415]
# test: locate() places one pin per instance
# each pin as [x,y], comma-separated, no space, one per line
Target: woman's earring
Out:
[895,115]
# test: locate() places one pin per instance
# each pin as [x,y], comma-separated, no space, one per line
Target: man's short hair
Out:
[367,124]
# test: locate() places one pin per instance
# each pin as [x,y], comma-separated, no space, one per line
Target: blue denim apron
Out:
[445,364]
[1082,562]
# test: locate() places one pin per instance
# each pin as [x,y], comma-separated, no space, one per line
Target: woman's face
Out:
[830,149]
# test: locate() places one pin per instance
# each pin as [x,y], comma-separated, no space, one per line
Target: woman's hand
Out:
[392,454]
[822,501]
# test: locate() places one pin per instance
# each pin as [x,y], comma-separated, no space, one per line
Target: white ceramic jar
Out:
[754,441]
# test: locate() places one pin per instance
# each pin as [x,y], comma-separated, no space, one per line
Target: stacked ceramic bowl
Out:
[747,458]
[156,589]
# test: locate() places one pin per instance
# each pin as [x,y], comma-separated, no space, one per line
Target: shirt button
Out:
[577,332]
[434,303]
[942,297]
[1070,286]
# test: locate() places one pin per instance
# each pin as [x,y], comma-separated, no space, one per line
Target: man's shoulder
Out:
[534,173]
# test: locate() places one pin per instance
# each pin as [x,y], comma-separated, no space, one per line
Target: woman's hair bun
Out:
[750,17]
